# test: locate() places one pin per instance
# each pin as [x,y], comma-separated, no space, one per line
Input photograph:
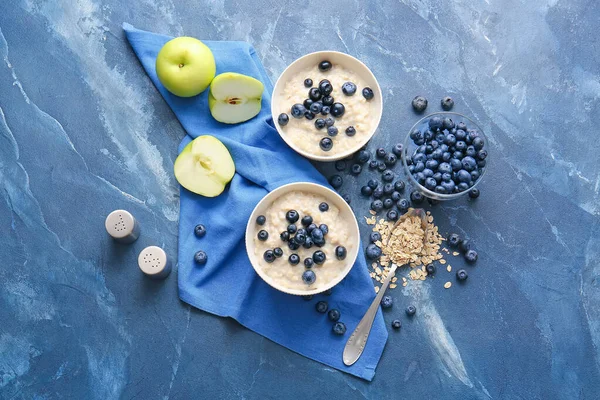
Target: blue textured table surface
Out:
[83,131]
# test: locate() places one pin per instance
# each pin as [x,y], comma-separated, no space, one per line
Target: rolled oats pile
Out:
[404,245]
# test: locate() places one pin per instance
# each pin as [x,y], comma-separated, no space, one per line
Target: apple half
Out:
[234,98]
[204,166]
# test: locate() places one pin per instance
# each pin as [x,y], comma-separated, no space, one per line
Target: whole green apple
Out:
[185,66]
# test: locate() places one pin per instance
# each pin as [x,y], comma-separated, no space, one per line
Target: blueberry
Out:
[325,65]
[350,131]
[319,257]
[323,207]
[448,186]
[317,234]
[307,103]
[381,153]
[430,183]
[269,256]
[399,186]
[308,243]
[449,140]
[463,176]
[263,235]
[324,228]
[314,94]
[411,310]
[309,115]
[469,163]
[284,236]
[349,88]
[388,188]
[294,259]
[396,324]
[461,275]
[368,93]
[374,237]
[332,131]
[462,126]
[319,243]
[292,216]
[327,102]
[283,119]
[463,186]
[340,252]
[316,107]
[475,175]
[444,168]
[381,166]
[471,256]
[419,158]
[341,165]
[481,163]
[200,230]
[397,150]
[292,228]
[465,245]
[308,82]
[306,220]
[435,123]
[373,252]
[337,110]
[474,193]
[471,152]
[396,196]
[373,183]
[200,257]
[478,143]
[428,134]
[390,159]
[339,328]
[455,164]
[460,134]
[430,268]
[356,169]
[419,104]
[278,252]
[388,175]
[325,109]
[447,103]
[325,87]
[437,176]
[321,307]
[446,156]
[431,164]
[416,196]
[334,315]
[388,203]
[362,156]
[387,302]
[481,154]
[309,277]
[419,166]
[319,123]
[297,110]
[420,177]
[308,262]
[447,123]
[373,164]
[328,292]
[392,215]
[329,121]
[326,144]
[378,192]
[403,205]
[460,145]
[366,191]
[454,240]
[377,205]
[458,155]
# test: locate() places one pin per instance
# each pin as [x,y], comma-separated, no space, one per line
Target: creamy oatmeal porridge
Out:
[341,133]
[289,267]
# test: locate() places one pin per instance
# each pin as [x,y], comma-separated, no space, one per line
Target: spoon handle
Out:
[358,340]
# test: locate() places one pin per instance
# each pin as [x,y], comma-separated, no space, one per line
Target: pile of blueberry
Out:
[200,257]
[419,103]
[468,251]
[309,234]
[387,302]
[321,106]
[334,315]
[449,158]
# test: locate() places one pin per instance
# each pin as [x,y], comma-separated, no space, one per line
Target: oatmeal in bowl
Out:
[302,238]
[326,105]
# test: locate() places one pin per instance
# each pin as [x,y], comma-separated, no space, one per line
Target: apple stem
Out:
[181,65]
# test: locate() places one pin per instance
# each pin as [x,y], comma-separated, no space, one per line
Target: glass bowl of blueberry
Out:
[445,155]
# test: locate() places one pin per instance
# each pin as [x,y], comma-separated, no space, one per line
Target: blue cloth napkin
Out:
[227,285]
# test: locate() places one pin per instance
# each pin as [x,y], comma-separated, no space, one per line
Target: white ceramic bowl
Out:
[332,198]
[312,59]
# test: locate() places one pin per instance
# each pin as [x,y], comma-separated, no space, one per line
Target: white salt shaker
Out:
[122,226]
[153,262]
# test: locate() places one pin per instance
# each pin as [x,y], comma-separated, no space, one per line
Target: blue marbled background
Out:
[83,131]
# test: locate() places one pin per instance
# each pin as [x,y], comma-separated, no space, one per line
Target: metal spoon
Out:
[358,340]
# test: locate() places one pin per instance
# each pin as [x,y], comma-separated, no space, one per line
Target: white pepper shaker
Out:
[122,226]
[153,262]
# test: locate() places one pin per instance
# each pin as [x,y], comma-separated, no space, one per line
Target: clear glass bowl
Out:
[410,148]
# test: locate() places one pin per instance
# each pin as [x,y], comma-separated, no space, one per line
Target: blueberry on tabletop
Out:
[471,256]
[387,302]
[388,188]
[337,110]
[325,87]
[390,159]
[461,275]
[284,236]
[323,207]
[200,230]
[278,252]
[368,93]
[200,257]
[435,123]
[474,193]
[269,256]
[378,192]
[294,259]
[309,277]
[314,94]
[339,328]
[396,324]
[356,169]
[388,203]
[399,186]
[326,144]
[373,252]
[397,150]
[465,245]
[430,268]
[362,156]
[373,183]
[454,240]
[396,195]
[262,235]
[447,103]
[416,196]
[347,198]
[419,104]
[411,310]
[349,88]
[403,205]
[316,107]
[327,102]
[325,65]
[377,205]
[340,252]
[308,262]
[297,110]
[350,131]
[388,175]
[366,191]
[334,315]
[392,215]
[374,237]
[341,165]
[321,307]
[381,153]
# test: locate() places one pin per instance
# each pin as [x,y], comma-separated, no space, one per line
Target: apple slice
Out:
[234,98]
[204,166]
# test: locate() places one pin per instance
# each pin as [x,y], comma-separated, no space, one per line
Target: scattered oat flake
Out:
[377,289]
[447,285]
[394,279]
[442,261]
[372,212]
[405,283]
[455,253]
[449,268]
[393,286]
